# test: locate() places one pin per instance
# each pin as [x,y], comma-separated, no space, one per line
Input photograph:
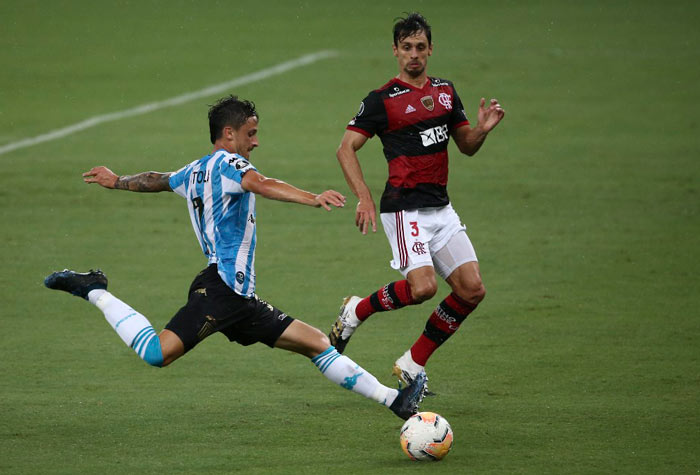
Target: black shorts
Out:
[213,307]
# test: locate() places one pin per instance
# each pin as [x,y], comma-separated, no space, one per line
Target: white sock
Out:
[406,363]
[132,327]
[343,371]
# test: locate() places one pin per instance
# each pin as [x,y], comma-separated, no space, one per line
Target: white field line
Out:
[173,101]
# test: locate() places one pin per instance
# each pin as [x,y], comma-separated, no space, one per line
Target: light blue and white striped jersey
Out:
[222,214]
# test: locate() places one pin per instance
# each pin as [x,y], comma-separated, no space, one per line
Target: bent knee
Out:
[316,344]
[323,341]
[473,294]
[424,291]
[479,293]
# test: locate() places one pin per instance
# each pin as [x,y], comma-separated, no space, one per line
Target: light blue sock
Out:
[147,346]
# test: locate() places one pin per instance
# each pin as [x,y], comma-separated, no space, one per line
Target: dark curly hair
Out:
[229,111]
[413,24]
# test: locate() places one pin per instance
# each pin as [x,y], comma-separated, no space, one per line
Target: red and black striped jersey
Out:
[414,126]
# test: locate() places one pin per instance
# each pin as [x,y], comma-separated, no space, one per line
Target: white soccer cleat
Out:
[407,370]
[346,323]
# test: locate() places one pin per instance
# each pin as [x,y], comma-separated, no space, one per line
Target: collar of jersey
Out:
[412,87]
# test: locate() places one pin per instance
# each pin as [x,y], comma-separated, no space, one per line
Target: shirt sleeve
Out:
[371,118]
[458,117]
[178,180]
[232,171]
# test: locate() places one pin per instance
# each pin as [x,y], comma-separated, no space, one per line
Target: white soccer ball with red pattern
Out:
[426,436]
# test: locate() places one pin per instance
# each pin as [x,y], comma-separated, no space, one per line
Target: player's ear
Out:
[395,50]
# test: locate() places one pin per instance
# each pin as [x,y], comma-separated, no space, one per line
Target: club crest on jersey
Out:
[409,109]
[428,102]
[446,100]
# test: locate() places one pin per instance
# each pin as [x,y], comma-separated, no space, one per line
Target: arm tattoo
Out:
[144,182]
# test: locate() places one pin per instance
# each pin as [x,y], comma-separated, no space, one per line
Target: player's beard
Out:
[414,72]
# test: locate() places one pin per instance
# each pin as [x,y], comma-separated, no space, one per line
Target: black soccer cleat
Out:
[76,283]
[409,398]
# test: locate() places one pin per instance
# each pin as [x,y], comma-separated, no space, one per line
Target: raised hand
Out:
[490,116]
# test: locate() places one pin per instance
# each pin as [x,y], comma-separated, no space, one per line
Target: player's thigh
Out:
[211,306]
[457,251]
[304,339]
[262,322]
[466,282]
[171,346]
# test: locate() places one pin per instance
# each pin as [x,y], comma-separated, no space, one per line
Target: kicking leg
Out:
[312,343]
[131,326]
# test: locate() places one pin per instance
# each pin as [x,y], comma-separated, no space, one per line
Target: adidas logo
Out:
[409,109]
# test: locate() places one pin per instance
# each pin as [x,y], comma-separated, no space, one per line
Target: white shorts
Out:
[428,237]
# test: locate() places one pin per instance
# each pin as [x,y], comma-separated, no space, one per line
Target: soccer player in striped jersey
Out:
[415,115]
[220,190]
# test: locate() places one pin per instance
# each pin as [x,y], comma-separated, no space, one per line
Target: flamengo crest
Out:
[418,247]
[446,100]
[428,102]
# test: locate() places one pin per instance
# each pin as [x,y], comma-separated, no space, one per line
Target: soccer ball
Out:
[426,436]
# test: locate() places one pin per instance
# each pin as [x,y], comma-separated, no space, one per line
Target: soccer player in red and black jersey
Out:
[414,116]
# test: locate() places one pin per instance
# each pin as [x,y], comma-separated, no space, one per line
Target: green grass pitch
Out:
[583,206]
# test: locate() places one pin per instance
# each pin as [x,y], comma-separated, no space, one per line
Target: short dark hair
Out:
[413,24]
[229,111]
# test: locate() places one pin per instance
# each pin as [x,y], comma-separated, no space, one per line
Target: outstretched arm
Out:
[143,182]
[365,213]
[275,189]
[469,140]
